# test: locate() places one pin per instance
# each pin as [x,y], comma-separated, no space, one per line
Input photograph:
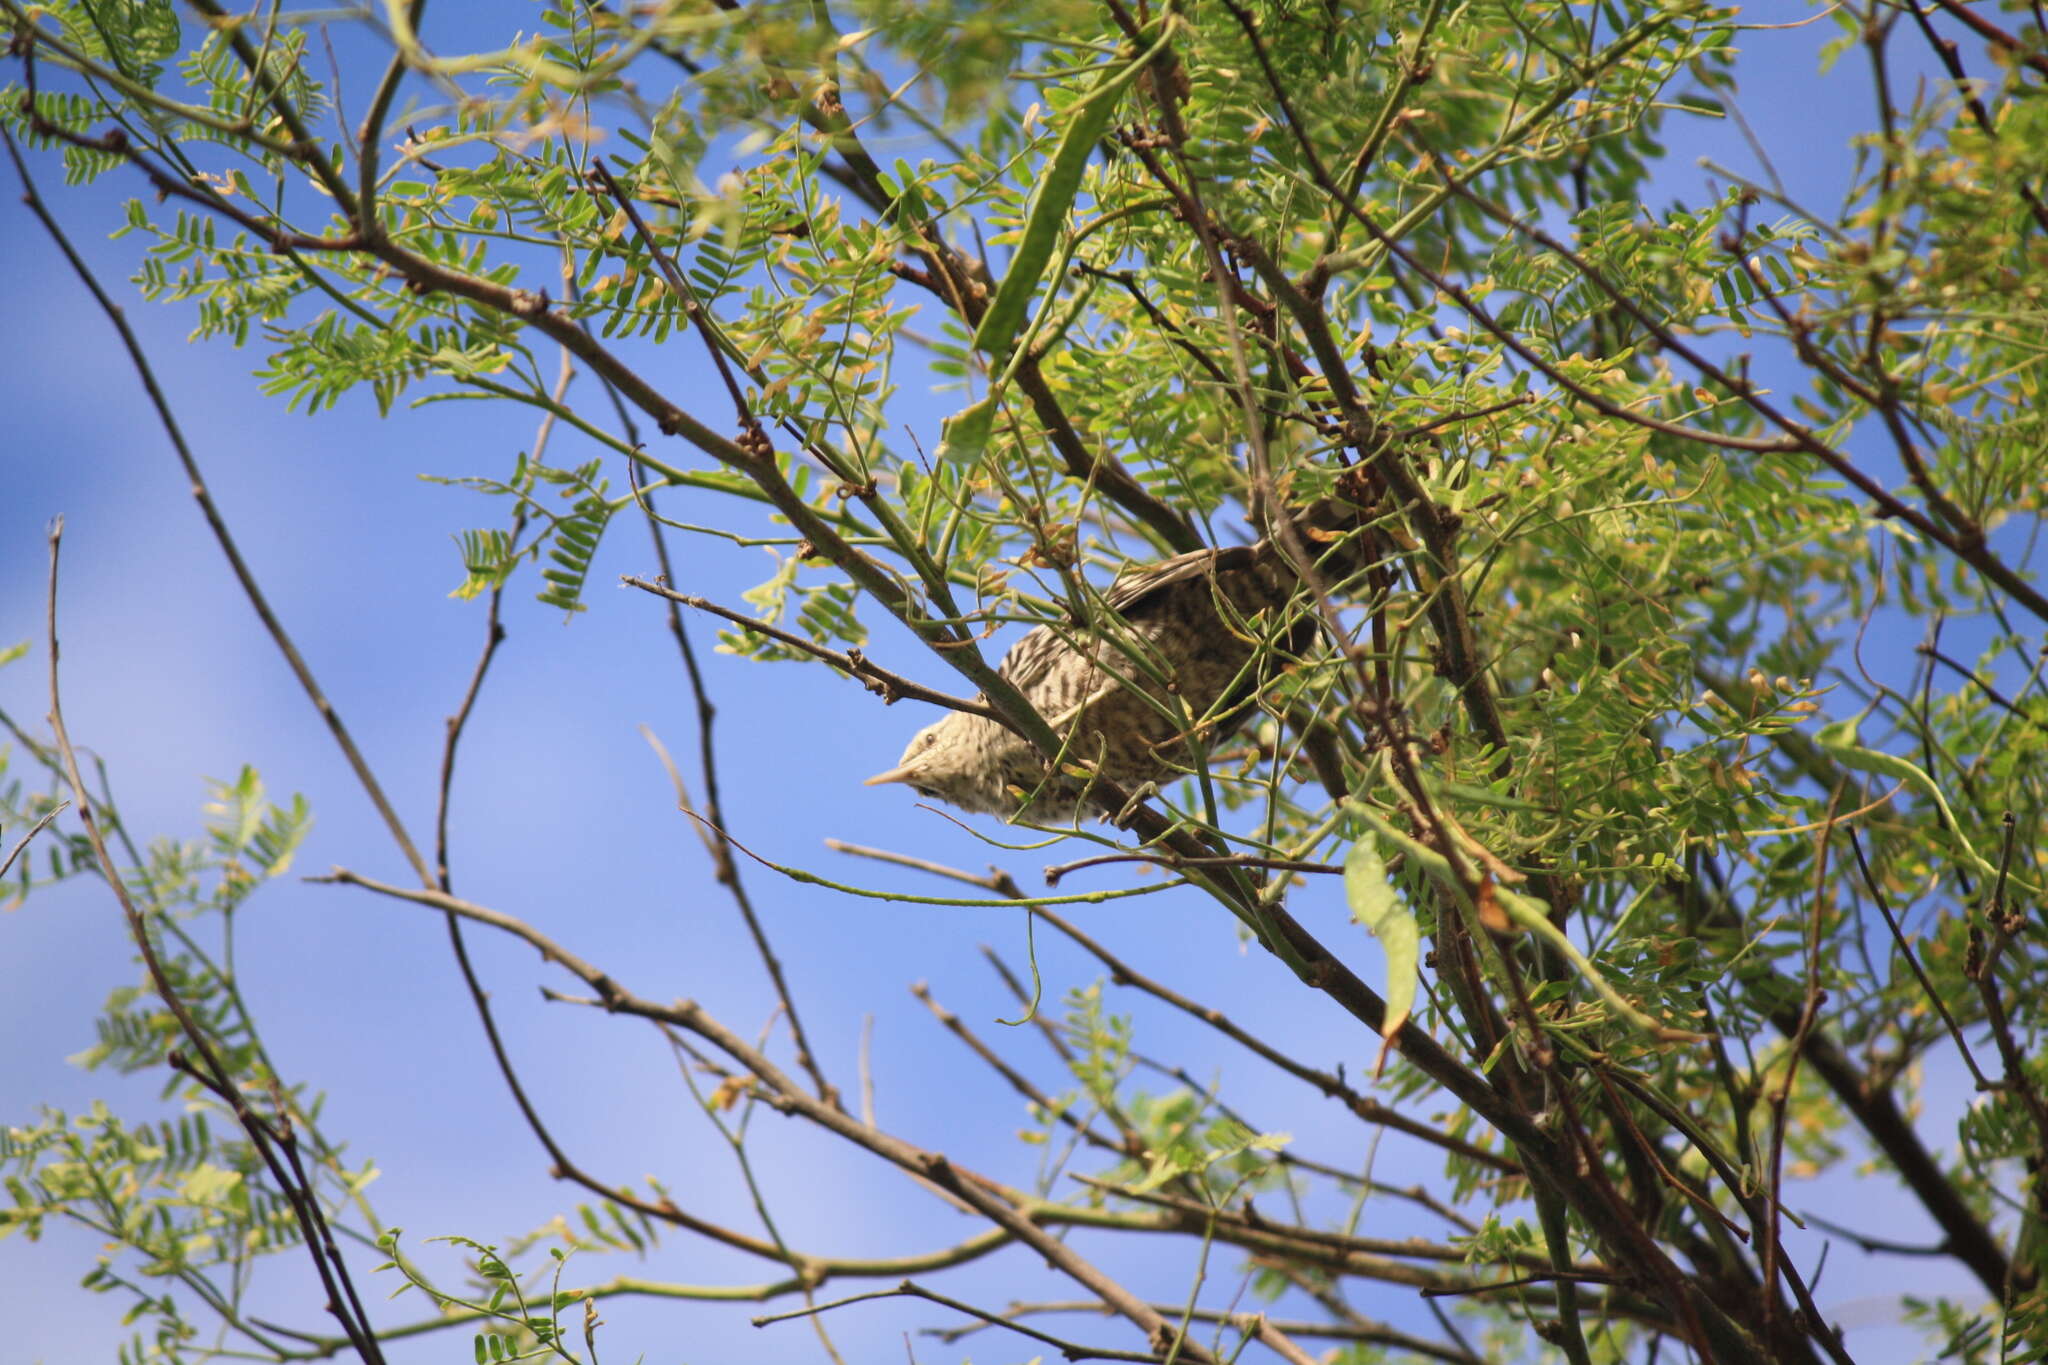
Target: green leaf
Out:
[209,1184]
[1376,905]
[964,435]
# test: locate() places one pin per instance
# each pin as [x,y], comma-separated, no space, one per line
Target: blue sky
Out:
[564,817]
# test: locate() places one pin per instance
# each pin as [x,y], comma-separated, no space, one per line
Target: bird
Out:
[1196,620]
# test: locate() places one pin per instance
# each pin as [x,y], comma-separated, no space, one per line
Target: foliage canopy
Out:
[1687,893]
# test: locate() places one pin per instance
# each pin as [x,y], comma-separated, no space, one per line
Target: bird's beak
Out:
[893,775]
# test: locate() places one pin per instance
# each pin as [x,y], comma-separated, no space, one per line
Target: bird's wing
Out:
[1032,658]
[1131,593]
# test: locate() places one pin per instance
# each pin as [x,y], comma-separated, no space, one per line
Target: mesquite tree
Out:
[1592,498]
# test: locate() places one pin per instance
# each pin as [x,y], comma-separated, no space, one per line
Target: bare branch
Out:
[890,687]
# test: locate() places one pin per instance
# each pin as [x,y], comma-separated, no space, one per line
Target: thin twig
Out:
[1011,1211]
[33,830]
[1175,860]
[1362,1330]
[1966,541]
[272,1138]
[910,1290]
[1809,1011]
[884,684]
[204,497]
[2009,46]
[1547,1277]
[1372,1111]
[1053,1110]
[1990,692]
[1248,1220]
[563,1166]
[724,869]
[996,880]
[1913,961]
[1874,1245]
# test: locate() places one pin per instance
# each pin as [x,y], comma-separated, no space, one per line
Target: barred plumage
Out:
[1192,619]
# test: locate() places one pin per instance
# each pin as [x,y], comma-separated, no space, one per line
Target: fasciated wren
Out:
[1178,655]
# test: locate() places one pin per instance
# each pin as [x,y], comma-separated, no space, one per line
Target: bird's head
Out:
[950,760]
